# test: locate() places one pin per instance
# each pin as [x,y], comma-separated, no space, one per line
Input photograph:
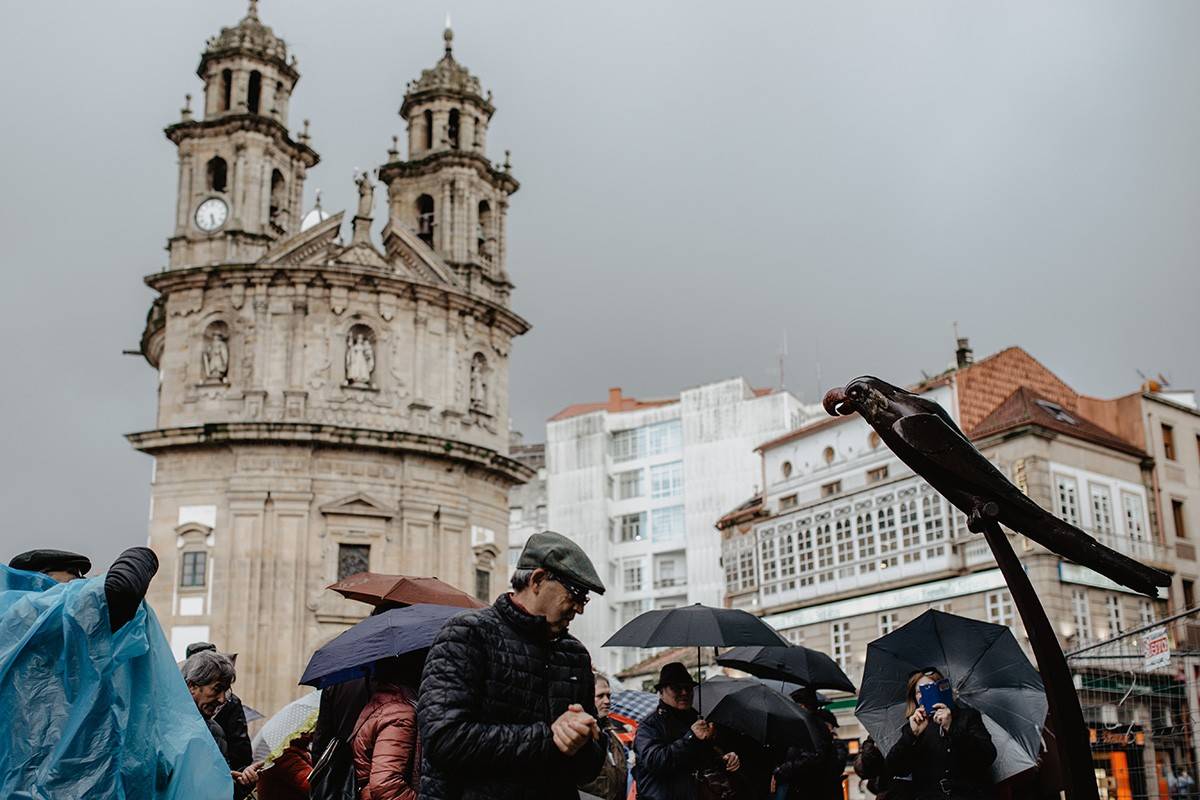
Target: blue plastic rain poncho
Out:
[93,714]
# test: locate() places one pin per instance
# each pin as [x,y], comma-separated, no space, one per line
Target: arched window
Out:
[278,191]
[226,89]
[425,219]
[255,92]
[483,229]
[428,130]
[217,171]
[452,128]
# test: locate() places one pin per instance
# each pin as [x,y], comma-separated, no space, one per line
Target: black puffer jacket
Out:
[494,681]
[814,773]
[952,766]
[668,753]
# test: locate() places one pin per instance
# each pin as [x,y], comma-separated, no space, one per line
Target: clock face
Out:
[211,214]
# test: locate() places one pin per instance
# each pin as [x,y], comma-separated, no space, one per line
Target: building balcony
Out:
[666,583]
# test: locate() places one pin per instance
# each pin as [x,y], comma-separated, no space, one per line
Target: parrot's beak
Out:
[836,404]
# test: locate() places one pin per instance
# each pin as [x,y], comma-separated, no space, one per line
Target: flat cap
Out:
[44,560]
[558,554]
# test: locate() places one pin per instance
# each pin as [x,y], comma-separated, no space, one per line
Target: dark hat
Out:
[825,715]
[49,560]
[674,673]
[558,554]
[196,647]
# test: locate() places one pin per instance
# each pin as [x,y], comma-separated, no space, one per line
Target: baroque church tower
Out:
[326,405]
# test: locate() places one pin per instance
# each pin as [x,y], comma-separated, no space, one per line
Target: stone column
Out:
[446,232]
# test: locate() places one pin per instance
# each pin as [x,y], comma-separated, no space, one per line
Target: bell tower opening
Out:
[216,171]
[254,92]
[425,220]
[226,89]
[452,129]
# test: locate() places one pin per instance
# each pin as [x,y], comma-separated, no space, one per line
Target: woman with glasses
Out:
[943,744]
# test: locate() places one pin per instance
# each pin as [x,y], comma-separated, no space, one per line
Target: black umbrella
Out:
[758,711]
[794,663]
[987,670]
[695,626]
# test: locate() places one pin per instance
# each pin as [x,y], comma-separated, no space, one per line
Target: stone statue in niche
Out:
[360,357]
[214,361]
[479,387]
[366,195]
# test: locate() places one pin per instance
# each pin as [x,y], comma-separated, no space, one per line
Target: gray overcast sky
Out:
[697,178]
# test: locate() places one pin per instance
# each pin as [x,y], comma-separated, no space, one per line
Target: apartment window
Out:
[999,608]
[666,480]
[887,623]
[630,609]
[769,560]
[1177,516]
[1082,614]
[825,550]
[1168,434]
[628,444]
[887,532]
[876,475]
[666,524]
[1102,516]
[1068,499]
[910,531]
[665,437]
[830,489]
[935,518]
[483,585]
[840,644]
[804,555]
[787,501]
[353,559]
[787,555]
[632,576]
[1112,608]
[844,539]
[1145,613]
[630,527]
[1189,594]
[746,567]
[669,574]
[194,568]
[629,484]
[1135,517]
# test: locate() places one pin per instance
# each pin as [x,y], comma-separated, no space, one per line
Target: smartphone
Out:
[933,693]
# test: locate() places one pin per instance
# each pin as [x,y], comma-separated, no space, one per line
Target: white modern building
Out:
[640,485]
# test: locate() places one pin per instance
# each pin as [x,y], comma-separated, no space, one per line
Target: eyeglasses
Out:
[578,593]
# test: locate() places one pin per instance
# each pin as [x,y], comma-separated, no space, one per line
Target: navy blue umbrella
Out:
[392,633]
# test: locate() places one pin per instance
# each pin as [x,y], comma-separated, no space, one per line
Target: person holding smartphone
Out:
[943,743]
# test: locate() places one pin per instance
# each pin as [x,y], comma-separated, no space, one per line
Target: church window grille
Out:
[217,172]
[254,92]
[353,559]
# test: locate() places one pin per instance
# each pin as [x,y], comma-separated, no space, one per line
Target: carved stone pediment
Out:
[408,254]
[314,246]
[358,505]
[361,254]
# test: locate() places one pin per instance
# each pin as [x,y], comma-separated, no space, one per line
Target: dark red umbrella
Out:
[378,589]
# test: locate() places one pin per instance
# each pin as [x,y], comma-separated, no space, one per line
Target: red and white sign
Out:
[1156,650]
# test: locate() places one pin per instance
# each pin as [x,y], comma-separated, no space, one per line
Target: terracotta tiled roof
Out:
[1027,407]
[627,404]
[652,665]
[747,511]
[984,385]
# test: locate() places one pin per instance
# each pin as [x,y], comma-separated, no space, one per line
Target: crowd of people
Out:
[505,705]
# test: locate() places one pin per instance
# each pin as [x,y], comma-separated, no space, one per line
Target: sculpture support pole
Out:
[1071,735]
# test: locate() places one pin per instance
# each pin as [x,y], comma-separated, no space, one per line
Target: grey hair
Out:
[207,667]
[520,579]
[600,677]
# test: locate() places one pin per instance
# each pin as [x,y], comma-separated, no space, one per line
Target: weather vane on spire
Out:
[252,13]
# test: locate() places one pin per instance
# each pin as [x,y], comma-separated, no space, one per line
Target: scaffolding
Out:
[1138,691]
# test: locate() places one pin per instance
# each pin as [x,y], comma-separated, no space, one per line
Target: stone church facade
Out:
[325,406]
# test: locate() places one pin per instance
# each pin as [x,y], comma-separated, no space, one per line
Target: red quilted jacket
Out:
[386,750]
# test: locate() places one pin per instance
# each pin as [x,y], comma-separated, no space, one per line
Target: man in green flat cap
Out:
[507,704]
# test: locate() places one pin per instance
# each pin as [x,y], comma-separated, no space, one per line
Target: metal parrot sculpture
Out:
[923,436]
